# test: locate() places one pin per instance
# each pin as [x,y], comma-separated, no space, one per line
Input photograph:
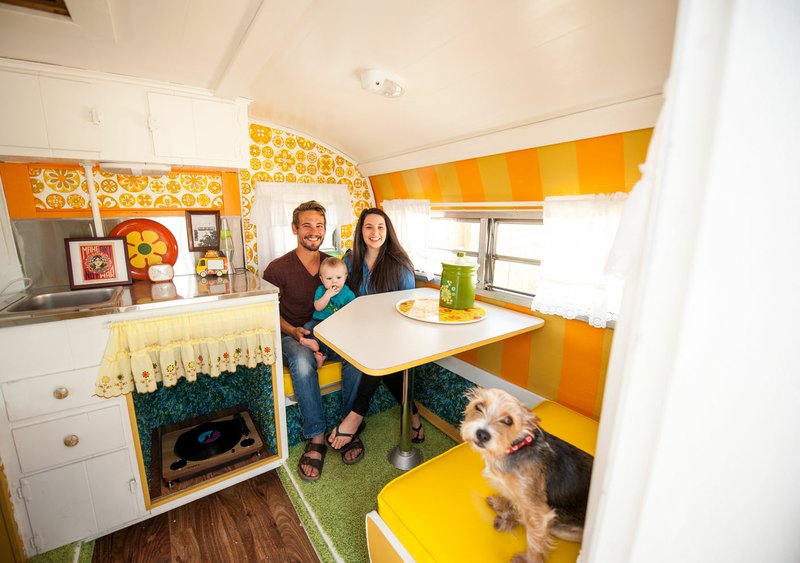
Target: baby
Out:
[331,296]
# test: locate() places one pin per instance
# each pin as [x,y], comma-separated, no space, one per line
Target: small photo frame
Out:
[97,262]
[202,228]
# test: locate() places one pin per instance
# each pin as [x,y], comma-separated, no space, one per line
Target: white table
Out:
[376,338]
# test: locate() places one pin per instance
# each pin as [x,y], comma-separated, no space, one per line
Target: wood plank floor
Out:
[252,521]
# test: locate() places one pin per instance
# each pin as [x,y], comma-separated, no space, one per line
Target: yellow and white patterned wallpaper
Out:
[61,189]
[282,156]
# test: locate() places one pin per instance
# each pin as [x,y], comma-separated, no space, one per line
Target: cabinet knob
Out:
[60,392]
[71,441]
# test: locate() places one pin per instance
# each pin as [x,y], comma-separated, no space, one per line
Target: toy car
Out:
[212,263]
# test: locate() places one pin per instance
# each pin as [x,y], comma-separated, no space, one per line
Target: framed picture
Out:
[97,262]
[202,228]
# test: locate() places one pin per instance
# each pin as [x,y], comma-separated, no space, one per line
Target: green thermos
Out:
[458,283]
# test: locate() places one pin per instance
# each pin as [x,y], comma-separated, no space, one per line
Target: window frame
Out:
[489,220]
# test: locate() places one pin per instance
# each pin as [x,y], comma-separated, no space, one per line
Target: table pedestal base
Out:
[405,460]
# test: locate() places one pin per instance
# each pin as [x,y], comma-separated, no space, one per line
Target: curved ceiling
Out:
[472,67]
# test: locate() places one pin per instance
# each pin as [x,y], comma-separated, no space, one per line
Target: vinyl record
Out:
[208,440]
[149,242]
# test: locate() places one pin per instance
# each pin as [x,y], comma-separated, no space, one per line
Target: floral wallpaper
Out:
[281,156]
[64,189]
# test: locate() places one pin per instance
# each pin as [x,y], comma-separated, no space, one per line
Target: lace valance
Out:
[139,354]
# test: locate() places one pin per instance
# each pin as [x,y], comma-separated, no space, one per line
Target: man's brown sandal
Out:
[309,461]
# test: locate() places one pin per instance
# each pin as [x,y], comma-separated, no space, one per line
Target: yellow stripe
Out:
[382,187]
[494,177]
[547,346]
[490,358]
[558,166]
[635,145]
[583,345]
[448,182]
[413,184]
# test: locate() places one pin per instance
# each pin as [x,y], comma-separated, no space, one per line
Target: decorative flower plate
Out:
[428,310]
[149,242]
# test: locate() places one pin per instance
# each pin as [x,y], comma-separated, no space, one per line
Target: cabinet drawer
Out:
[44,445]
[48,394]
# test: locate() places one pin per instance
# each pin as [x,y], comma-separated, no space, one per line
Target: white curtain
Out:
[578,234]
[10,269]
[273,204]
[411,220]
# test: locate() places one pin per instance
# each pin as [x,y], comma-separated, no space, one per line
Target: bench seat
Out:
[438,512]
[330,379]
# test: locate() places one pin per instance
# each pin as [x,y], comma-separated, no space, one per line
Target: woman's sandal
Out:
[353,437]
[309,461]
[416,430]
[352,444]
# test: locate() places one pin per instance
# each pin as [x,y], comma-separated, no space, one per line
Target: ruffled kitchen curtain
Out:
[411,220]
[273,204]
[578,234]
[141,353]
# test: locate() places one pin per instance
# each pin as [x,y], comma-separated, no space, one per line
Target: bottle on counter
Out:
[226,244]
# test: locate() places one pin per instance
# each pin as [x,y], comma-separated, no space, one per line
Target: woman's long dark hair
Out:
[387,272]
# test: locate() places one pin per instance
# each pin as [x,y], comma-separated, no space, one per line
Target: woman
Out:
[376,264]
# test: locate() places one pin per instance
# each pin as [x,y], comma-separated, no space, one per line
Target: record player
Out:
[200,448]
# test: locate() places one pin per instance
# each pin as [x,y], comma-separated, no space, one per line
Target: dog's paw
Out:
[527,558]
[504,522]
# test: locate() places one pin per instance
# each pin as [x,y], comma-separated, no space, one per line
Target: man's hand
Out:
[298,332]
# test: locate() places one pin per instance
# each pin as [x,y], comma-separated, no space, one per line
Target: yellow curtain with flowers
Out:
[139,354]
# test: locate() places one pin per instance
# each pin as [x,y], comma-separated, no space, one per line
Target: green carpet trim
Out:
[79,551]
[344,495]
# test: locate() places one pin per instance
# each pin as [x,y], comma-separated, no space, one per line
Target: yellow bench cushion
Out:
[438,510]
[329,373]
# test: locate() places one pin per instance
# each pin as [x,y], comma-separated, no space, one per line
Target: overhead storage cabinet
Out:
[49,113]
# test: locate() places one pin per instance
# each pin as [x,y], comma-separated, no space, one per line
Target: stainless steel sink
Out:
[78,299]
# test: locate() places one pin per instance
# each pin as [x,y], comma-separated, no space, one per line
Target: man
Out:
[296,275]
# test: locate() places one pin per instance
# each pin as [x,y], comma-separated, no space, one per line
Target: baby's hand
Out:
[333,290]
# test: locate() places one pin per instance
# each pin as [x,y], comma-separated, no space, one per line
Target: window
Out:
[506,245]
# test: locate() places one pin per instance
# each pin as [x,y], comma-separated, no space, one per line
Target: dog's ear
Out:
[530,421]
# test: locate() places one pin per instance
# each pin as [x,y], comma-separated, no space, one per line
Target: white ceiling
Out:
[472,67]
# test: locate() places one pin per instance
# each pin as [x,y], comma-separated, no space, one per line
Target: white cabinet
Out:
[22,122]
[80,500]
[69,456]
[196,129]
[69,114]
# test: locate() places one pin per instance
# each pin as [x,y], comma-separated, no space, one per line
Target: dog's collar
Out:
[521,443]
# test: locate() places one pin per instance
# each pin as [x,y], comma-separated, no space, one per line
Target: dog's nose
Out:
[482,435]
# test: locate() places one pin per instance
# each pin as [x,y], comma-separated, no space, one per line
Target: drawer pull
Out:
[60,392]
[71,441]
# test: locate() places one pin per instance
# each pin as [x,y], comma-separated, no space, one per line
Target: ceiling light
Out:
[383,83]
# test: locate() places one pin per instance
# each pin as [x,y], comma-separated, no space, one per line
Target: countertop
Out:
[143,295]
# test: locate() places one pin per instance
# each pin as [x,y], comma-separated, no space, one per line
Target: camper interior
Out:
[597,200]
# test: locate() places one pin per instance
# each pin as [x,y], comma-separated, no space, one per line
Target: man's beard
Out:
[309,246]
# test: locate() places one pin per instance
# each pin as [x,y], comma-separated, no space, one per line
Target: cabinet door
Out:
[59,506]
[172,123]
[81,500]
[214,130]
[70,109]
[22,121]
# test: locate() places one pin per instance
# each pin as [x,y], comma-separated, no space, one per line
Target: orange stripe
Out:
[17,187]
[516,356]
[601,164]
[469,177]
[231,201]
[580,367]
[523,171]
[399,185]
[470,356]
[430,183]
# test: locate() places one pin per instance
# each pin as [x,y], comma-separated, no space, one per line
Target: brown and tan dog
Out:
[542,481]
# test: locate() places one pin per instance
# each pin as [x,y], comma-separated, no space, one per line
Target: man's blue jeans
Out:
[303,371]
